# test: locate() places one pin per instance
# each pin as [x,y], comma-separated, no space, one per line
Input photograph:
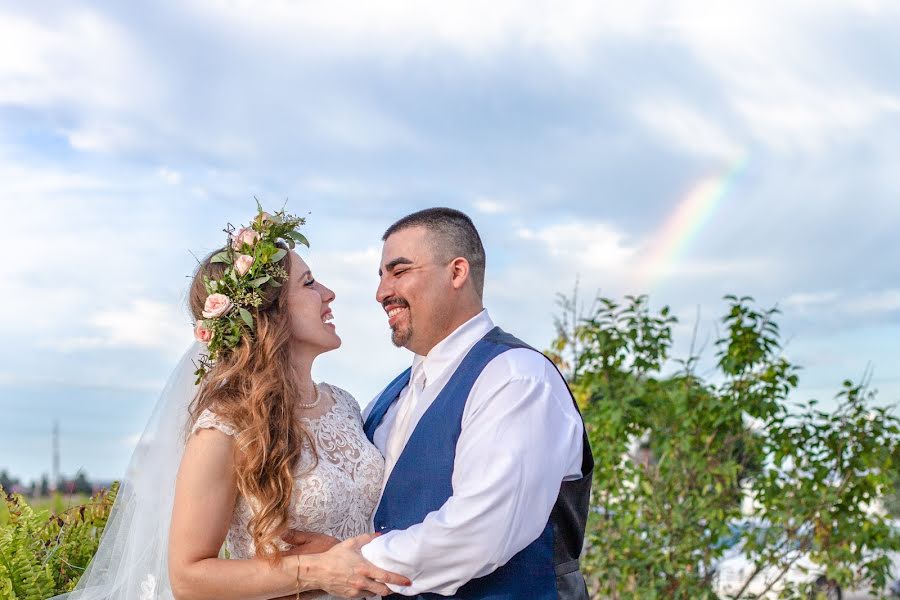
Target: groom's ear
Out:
[459,272]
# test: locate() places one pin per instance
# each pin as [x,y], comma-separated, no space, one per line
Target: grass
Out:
[56,503]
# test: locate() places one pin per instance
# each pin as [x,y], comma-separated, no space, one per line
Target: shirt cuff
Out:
[374,552]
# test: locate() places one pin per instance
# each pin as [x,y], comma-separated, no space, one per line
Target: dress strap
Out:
[210,420]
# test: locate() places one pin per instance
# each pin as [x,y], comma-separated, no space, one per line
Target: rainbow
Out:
[692,212]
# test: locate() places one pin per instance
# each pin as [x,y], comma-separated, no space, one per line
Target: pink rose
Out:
[242,264]
[245,235]
[216,305]
[270,218]
[201,333]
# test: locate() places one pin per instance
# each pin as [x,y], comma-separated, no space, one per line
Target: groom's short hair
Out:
[453,235]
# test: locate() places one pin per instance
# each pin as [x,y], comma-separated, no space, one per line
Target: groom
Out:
[488,468]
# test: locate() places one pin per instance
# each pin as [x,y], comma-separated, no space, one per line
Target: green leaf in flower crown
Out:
[246,316]
[299,237]
[221,257]
[274,283]
[281,253]
[259,280]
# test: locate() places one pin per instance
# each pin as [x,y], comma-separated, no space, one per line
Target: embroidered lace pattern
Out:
[336,497]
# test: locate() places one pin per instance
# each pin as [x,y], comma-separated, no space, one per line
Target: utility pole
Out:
[54,477]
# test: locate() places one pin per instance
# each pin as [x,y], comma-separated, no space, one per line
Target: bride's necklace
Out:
[315,402]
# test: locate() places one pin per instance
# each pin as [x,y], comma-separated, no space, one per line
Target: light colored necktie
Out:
[400,430]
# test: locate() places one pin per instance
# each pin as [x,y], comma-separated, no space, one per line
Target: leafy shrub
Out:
[44,554]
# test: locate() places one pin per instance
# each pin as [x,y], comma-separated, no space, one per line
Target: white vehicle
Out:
[736,568]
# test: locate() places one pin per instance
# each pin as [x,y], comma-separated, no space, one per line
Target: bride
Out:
[244,446]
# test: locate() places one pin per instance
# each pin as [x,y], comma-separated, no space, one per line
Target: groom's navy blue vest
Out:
[546,569]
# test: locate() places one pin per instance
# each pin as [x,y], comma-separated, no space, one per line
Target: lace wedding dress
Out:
[338,495]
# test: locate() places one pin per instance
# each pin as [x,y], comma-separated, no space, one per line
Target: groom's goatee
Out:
[401,337]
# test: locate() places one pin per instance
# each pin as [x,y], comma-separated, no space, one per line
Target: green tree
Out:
[7,481]
[892,501]
[81,484]
[677,456]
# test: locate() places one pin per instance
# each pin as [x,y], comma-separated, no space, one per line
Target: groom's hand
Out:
[344,572]
[307,542]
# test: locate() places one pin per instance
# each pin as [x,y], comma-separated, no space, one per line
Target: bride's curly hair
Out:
[250,388]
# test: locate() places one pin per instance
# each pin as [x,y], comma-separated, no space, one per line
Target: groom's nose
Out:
[384,290]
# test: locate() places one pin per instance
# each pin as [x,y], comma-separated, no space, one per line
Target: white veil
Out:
[131,562]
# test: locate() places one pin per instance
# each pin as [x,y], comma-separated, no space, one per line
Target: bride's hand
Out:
[342,571]
[307,542]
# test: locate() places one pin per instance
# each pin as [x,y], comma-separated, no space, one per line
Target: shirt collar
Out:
[449,349]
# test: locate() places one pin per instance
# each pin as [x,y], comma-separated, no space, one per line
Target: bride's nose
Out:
[327,294]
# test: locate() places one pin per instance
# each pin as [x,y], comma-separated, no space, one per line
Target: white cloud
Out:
[170,176]
[884,301]
[593,246]
[344,188]
[21,181]
[351,268]
[430,100]
[105,137]
[83,59]
[490,206]
[393,27]
[806,300]
[91,269]
[600,252]
[142,324]
[84,381]
[777,77]
[780,72]
[837,303]
[685,128]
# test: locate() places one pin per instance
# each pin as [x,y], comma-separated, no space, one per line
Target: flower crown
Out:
[253,259]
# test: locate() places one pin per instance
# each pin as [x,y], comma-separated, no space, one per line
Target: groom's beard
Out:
[401,335]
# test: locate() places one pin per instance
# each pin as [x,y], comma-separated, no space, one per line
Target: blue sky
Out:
[570,132]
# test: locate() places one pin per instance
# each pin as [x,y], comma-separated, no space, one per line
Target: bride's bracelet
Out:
[298,577]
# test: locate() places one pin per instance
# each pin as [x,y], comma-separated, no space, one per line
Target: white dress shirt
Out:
[521,437]
[402,425]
